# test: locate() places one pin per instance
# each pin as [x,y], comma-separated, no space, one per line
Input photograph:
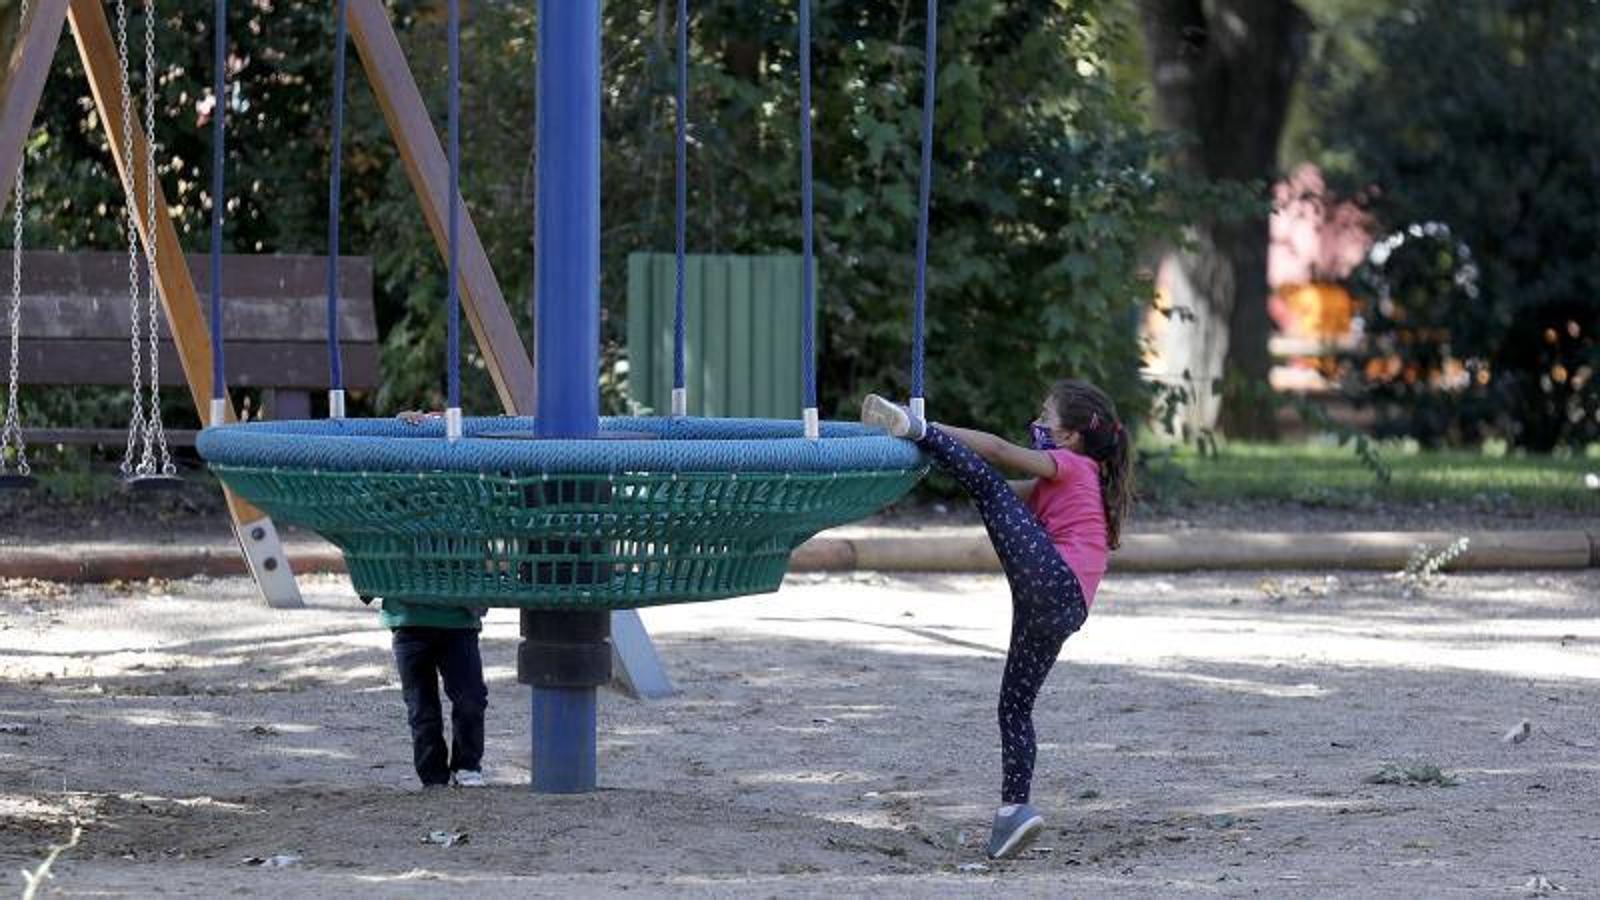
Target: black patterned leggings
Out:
[1047,603]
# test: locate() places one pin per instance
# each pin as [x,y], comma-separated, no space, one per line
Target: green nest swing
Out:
[666,511]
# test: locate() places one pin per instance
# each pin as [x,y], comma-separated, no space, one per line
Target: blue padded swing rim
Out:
[688,444]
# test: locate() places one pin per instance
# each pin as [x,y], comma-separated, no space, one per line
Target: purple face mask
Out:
[1041,438]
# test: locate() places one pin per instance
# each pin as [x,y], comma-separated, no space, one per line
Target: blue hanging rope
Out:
[683,188]
[453,337]
[335,361]
[929,77]
[808,338]
[219,63]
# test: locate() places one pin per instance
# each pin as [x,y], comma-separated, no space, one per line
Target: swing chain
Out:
[136,425]
[11,434]
[147,440]
[153,426]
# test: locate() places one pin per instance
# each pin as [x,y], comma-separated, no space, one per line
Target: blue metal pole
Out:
[564,740]
[567,309]
[568,218]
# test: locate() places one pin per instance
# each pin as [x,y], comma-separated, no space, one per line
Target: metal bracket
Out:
[263,553]
[636,668]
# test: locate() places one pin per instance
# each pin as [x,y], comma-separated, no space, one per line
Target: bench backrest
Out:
[75,320]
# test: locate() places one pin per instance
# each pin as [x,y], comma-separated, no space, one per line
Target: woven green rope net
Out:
[566,541]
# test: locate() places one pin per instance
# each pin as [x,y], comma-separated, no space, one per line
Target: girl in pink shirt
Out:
[1052,533]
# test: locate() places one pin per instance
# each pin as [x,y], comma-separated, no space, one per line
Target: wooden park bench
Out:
[76,317]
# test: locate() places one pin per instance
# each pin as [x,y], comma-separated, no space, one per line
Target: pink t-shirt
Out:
[1074,515]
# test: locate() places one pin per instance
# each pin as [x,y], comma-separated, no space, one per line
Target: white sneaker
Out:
[468,778]
[877,412]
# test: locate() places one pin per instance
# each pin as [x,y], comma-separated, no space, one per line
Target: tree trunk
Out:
[1192,340]
[1222,73]
[1248,364]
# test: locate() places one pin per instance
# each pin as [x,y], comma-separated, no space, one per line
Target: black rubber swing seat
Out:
[16,481]
[152,484]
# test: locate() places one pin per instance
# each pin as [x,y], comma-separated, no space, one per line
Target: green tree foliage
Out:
[1044,193]
[1470,132]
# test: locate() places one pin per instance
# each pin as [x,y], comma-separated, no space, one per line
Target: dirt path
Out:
[1208,735]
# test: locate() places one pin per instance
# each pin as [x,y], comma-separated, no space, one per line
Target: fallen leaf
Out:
[280,861]
[1540,885]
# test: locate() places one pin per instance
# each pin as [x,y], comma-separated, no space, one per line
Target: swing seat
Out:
[16,481]
[151,484]
[654,511]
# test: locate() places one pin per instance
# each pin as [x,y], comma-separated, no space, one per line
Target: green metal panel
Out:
[641,350]
[763,373]
[660,316]
[694,322]
[715,346]
[742,317]
[788,308]
[741,374]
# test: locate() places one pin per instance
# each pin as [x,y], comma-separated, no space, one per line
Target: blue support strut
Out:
[567,308]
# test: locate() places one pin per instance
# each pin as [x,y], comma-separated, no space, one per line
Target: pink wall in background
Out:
[1313,240]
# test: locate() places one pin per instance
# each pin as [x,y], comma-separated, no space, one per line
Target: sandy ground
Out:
[1204,735]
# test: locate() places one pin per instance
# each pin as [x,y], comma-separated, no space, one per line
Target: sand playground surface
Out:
[1207,735]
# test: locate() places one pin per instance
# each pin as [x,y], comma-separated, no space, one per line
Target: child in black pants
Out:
[434,643]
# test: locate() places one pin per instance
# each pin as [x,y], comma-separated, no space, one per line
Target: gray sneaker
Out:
[877,412]
[1012,834]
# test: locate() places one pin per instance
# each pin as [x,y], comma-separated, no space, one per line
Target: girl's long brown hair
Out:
[1086,409]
